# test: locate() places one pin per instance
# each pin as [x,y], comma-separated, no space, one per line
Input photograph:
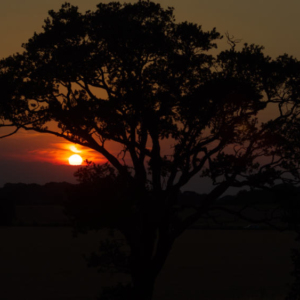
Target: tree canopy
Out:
[130,74]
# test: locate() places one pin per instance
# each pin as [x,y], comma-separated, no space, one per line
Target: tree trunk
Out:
[149,239]
[143,285]
[146,265]
[142,274]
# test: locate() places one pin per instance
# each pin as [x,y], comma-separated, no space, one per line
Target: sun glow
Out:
[74,149]
[75,160]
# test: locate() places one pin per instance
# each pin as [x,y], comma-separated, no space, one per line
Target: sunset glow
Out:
[74,149]
[75,160]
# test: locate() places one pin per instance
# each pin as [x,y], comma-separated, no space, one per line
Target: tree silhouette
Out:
[128,74]
[7,211]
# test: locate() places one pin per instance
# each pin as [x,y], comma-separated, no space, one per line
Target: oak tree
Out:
[129,74]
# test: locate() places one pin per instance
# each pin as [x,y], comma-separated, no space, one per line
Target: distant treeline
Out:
[281,194]
[56,193]
[53,193]
[15,198]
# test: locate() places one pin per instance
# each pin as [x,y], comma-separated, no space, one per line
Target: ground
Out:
[46,263]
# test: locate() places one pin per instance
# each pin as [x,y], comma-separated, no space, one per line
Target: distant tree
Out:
[128,74]
[7,211]
[53,193]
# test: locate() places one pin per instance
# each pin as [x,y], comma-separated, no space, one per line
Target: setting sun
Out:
[75,160]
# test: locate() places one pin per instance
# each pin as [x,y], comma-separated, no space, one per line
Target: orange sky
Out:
[45,148]
[272,23]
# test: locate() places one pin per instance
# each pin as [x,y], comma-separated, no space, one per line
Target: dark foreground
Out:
[40,263]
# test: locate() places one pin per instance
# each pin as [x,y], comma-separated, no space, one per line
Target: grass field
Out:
[40,263]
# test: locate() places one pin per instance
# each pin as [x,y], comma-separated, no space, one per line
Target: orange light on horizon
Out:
[48,149]
[59,153]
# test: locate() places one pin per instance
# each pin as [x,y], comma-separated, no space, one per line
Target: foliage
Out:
[111,257]
[92,204]
[130,76]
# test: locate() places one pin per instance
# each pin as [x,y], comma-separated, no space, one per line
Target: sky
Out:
[34,158]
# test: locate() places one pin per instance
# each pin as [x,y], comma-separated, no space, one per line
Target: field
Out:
[45,263]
